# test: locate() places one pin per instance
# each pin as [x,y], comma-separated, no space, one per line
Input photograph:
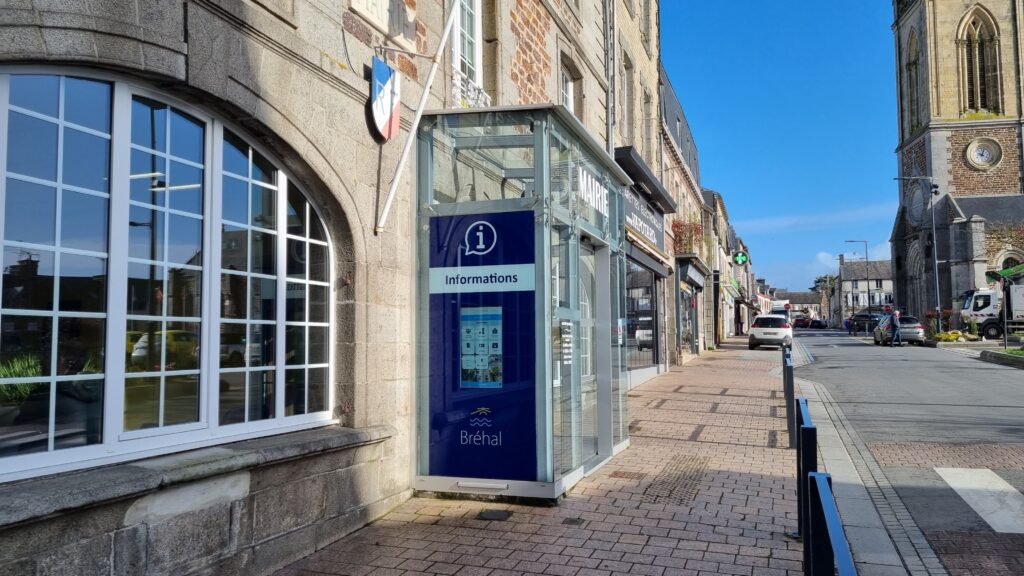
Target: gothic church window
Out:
[913,81]
[978,46]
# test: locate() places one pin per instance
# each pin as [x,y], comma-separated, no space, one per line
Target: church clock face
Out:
[915,204]
[983,153]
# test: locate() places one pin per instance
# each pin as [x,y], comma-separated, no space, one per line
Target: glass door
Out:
[588,341]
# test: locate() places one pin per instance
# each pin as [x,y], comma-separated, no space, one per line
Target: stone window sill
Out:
[34,499]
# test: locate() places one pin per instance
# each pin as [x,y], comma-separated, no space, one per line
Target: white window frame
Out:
[116,444]
[460,32]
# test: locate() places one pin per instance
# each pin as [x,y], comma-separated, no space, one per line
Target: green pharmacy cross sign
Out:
[740,258]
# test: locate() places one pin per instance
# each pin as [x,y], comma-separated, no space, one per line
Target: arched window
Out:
[165,285]
[978,45]
[1010,263]
[913,85]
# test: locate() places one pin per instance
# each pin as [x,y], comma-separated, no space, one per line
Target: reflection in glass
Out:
[149,124]
[184,293]
[36,152]
[145,233]
[232,397]
[181,399]
[235,200]
[145,355]
[295,302]
[317,389]
[37,93]
[264,299]
[232,296]
[318,310]
[186,188]
[145,289]
[263,251]
[83,223]
[25,349]
[261,395]
[296,259]
[261,344]
[25,425]
[185,240]
[316,229]
[86,160]
[186,137]
[141,403]
[296,213]
[295,345]
[28,279]
[80,344]
[236,155]
[148,178]
[318,263]
[263,171]
[264,207]
[318,344]
[294,391]
[234,248]
[83,283]
[29,212]
[641,308]
[232,345]
[87,103]
[79,414]
[182,341]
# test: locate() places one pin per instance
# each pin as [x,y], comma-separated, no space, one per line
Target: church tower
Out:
[960,120]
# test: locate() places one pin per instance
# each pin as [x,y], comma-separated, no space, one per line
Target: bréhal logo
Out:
[481,237]
[481,419]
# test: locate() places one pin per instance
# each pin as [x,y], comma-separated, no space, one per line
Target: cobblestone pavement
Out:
[935,455]
[705,488]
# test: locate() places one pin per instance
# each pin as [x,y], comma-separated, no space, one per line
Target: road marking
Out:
[995,500]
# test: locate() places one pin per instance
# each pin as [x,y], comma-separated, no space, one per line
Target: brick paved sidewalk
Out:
[706,487]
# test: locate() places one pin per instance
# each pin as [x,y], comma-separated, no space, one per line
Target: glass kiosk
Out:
[521,387]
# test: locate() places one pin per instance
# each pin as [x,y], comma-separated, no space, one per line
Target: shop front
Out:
[520,303]
[647,268]
[690,274]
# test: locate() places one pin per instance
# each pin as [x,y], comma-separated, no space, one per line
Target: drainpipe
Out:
[609,30]
[416,118]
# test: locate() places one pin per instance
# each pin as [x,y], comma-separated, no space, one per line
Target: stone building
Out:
[863,286]
[959,150]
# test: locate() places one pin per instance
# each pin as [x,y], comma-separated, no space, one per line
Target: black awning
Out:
[631,162]
[644,258]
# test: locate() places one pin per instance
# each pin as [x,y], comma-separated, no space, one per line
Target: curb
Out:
[1003,359]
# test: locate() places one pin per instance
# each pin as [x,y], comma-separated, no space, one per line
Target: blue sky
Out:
[794,114]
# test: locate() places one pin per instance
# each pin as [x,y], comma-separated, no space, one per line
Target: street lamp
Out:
[934,189]
[867,274]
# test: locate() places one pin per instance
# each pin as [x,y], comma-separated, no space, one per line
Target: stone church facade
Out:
[960,148]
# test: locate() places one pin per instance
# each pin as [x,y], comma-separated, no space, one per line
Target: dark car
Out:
[801,323]
[818,324]
[865,322]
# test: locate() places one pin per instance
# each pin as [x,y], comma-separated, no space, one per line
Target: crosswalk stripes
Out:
[998,503]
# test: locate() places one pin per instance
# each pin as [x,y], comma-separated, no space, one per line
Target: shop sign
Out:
[482,348]
[385,98]
[644,220]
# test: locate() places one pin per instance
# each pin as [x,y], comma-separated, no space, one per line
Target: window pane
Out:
[295,391]
[141,403]
[186,190]
[296,259]
[182,341]
[317,389]
[232,296]
[236,155]
[264,260]
[146,352]
[37,93]
[316,229]
[295,302]
[36,152]
[86,160]
[264,299]
[263,170]
[184,291]
[232,345]
[264,207]
[145,289]
[25,348]
[149,178]
[261,345]
[186,137]
[185,241]
[29,212]
[318,310]
[28,431]
[79,414]
[232,398]
[87,103]
[296,213]
[80,346]
[261,395]
[181,399]
[145,233]
[318,344]
[28,279]
[235,200]
[234,246]
[295,345]
[149,123]
[83,283]
[83,222]
[318,263]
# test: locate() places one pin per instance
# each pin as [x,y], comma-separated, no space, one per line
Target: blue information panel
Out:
[483,346]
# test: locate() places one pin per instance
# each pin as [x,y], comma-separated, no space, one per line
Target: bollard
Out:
[819,557]
[806,463]
[788,392]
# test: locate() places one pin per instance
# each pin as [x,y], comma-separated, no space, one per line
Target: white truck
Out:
[781,307]
[984,307]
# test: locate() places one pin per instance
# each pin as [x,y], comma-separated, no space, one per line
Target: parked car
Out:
[771,330]
[863,321]
[818,324]
[182,349]
[911,330]
[802,322]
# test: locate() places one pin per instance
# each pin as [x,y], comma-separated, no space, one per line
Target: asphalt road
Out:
[916,394]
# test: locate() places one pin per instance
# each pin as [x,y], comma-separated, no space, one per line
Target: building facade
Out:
[862,287]
[959,149]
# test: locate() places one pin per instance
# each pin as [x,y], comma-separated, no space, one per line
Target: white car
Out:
[772,330]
